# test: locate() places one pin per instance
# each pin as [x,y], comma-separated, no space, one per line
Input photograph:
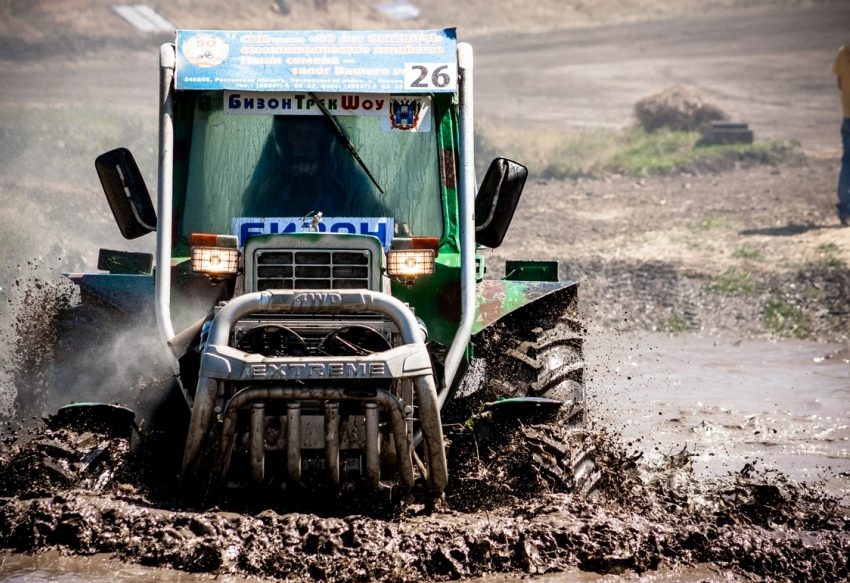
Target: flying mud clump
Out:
[506,512]
[28,334]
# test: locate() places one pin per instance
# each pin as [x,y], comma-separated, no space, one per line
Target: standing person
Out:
[841,68]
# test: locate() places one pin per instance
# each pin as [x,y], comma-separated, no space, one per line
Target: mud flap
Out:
[506,301]
[113,421]
[525,410]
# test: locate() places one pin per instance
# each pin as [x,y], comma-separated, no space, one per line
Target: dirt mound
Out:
[680,107]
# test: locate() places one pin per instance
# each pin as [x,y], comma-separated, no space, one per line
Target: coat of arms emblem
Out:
[404,113]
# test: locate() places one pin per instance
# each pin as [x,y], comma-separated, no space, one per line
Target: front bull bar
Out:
[220,363]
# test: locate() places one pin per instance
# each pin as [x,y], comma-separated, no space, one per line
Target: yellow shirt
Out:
[842,69]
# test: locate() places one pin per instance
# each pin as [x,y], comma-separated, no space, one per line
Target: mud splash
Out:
[86,493]
[50,334]
[28,330]
[506,511]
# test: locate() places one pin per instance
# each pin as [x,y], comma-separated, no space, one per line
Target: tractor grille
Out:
[319,269]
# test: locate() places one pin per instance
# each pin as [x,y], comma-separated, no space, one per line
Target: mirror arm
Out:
[495,201]
[133,208]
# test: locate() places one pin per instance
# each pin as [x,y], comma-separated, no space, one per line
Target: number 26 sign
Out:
[430,76]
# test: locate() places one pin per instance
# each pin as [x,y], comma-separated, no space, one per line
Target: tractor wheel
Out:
[537,352]
[551,365]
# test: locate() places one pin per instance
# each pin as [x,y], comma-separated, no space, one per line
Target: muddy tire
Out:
[549,366]
[552,366]
[537,352]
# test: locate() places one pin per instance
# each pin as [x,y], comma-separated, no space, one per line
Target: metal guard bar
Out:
[466,210]
[165,179]
[313,302]
[227,363]
[386,400]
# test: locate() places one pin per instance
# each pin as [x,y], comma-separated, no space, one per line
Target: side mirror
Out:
[126,192]
[497,199]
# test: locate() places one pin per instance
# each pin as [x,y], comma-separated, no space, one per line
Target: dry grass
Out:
[549,151]
[569,153]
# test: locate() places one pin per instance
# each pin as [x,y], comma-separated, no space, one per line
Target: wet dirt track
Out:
[751,526]
[514,519]
[655,509]
[782,405]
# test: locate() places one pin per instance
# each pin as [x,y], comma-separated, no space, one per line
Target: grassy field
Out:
[565,153]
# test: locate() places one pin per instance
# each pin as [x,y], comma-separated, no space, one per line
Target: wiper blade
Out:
[337,130]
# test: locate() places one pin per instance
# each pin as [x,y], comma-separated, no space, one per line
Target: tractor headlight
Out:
[410,263]
[214,254]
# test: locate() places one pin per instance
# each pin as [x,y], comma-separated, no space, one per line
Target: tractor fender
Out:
[192,294]
[131,295]
[498,300]
[508,313]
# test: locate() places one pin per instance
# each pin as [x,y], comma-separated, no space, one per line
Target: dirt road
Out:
[770,67]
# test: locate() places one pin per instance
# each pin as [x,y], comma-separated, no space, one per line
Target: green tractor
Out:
[318,283]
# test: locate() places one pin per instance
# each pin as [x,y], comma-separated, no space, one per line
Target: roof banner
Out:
[398,61]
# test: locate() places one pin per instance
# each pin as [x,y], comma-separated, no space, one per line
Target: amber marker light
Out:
[409,264]
[214,254]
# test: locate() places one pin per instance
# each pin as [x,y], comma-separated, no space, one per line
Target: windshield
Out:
[294,165]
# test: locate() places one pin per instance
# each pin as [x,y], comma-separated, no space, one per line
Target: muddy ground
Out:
[504,512]
[726,250]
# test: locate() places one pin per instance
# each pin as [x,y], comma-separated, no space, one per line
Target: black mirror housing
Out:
[497,200]
[126,192]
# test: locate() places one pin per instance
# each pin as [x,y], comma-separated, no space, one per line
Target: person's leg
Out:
[844,178]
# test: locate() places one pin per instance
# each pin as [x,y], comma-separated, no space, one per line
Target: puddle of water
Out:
[781,404]
[702,573]
[51,567]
